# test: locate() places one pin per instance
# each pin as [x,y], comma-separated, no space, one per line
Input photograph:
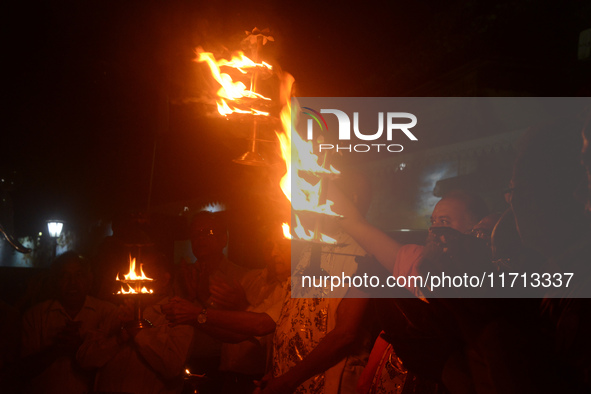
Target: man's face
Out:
[278,257]
[73,283]
[452,213]
[449,213]
[207,238]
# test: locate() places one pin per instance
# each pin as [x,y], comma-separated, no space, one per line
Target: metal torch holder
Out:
[252,157]
[138,322]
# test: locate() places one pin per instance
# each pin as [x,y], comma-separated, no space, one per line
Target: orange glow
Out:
[286,232]
[305,195]
[301,184]
[233,96]
[131,278]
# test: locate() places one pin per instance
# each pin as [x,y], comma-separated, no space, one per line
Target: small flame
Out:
[230,90]
[132,276]
[306,235]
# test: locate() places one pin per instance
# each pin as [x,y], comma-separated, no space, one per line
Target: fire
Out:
[132,278]
[286,232]
[233,96]
[305,184]
[306,195]
[305,235]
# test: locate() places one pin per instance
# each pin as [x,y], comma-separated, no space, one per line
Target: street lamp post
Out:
[55,229]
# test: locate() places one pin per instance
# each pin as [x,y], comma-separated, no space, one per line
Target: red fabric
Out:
[366,379]
[406,264]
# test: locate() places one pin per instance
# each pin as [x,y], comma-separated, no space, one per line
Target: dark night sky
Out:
[86,82]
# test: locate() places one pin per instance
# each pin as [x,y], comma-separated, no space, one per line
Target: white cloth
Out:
[150,363]
[41,324]
[266,296]
[305,321]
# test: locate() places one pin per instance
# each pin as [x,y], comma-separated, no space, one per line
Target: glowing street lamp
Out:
[55,230]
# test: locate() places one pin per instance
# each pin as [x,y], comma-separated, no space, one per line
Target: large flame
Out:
[233,96]
[130,277]
[303,190]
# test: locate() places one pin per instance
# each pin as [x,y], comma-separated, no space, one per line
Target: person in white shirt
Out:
[143,361]
[53,330]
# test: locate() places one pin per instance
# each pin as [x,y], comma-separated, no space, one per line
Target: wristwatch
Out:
[202,317]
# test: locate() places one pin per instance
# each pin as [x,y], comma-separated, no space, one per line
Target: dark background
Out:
[92,87]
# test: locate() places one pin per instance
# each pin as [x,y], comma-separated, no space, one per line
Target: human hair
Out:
[68,257]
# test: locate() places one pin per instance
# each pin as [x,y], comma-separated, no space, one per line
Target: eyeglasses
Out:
[205,232]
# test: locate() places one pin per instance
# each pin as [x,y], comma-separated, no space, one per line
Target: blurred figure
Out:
[542,347]
[54,329]
[214,282]
[546,177]
[550,219]
[10,332]
[146,360]
[246,334]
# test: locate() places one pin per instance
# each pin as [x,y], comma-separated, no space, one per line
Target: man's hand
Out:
[127,315]
[180,311]
[227,295]
[68,340]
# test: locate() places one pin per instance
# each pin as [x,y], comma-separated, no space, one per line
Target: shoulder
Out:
[36,315]
[42,307]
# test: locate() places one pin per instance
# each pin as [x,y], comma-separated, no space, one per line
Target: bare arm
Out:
[228,326]
[332,348]
[371,239]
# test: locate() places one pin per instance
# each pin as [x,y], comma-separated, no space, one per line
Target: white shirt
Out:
[150,363]
[41,324]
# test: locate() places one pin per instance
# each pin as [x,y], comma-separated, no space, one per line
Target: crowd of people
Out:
[217,327]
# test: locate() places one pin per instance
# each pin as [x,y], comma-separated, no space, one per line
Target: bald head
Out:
[459,210]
